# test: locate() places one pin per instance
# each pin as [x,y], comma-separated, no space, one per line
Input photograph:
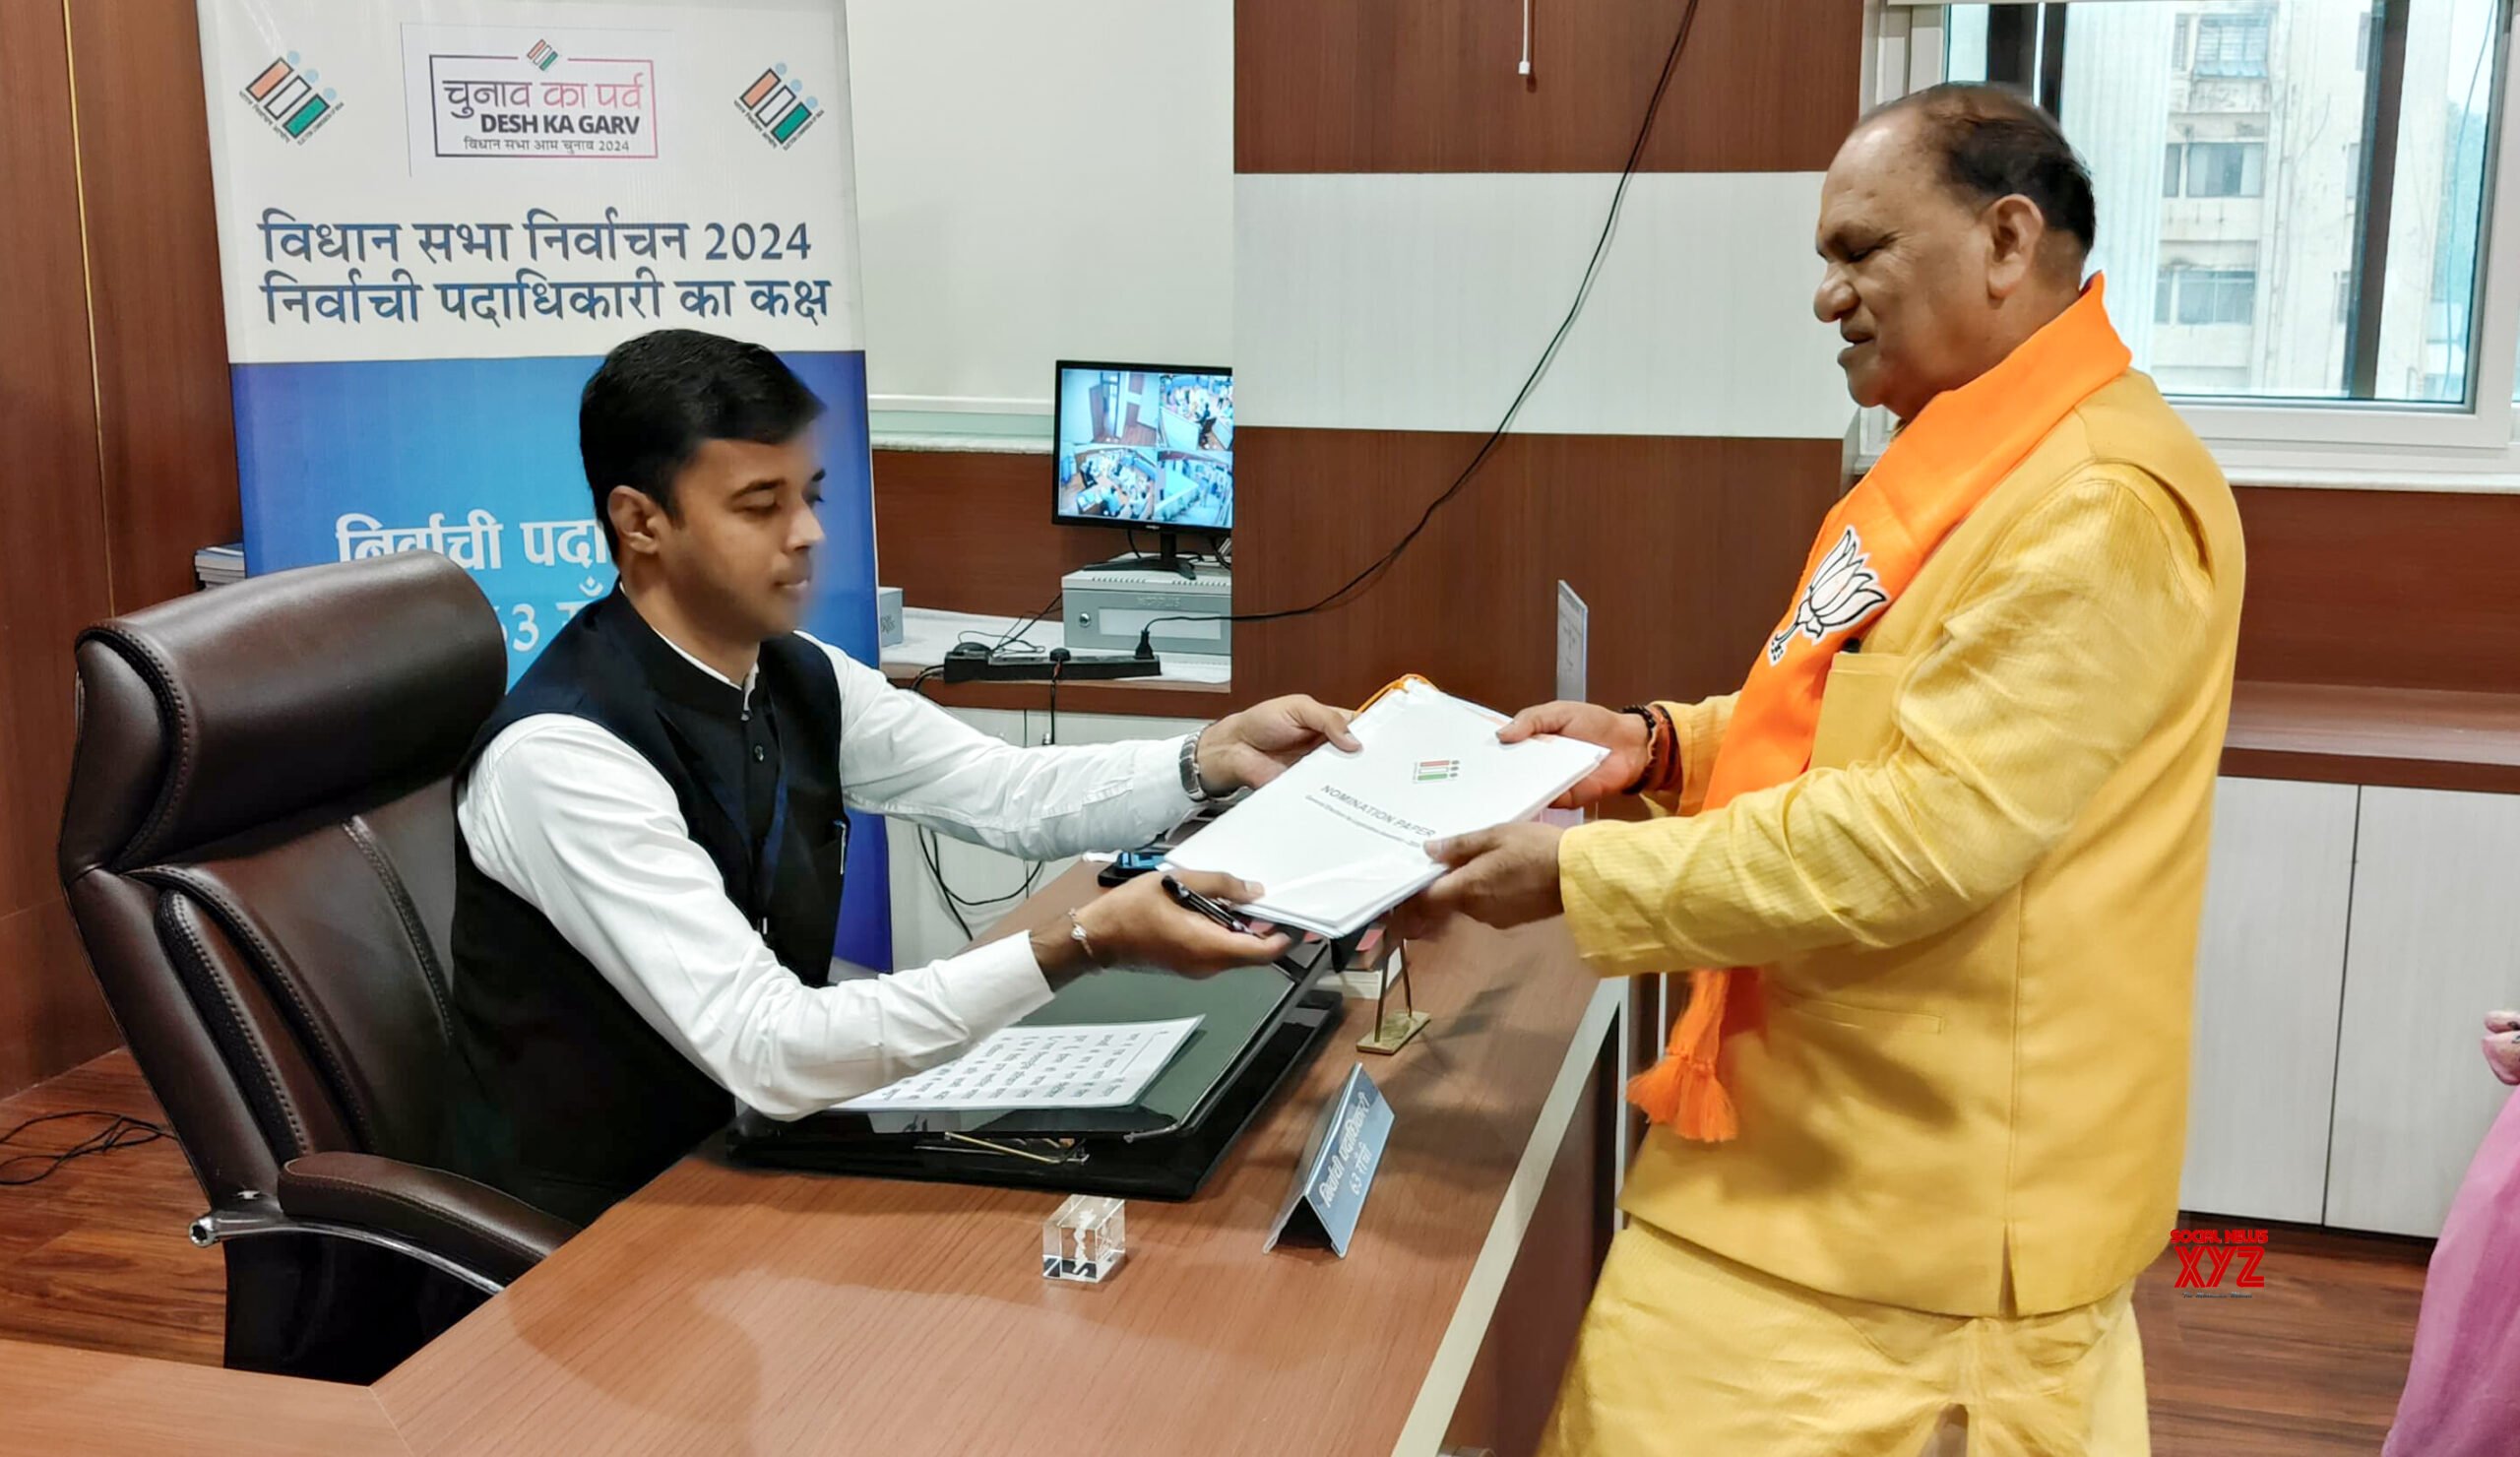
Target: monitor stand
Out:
[1165,558]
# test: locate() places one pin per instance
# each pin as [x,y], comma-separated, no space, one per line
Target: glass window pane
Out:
[2259,138]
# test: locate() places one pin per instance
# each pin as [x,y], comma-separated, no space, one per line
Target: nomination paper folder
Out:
[1339,838]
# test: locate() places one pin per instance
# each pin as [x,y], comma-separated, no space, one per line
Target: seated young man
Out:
[652,824]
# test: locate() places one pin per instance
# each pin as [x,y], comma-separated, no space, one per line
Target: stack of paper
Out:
[1339,838]
[218,566]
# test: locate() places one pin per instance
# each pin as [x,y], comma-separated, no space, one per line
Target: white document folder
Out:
[1339,838]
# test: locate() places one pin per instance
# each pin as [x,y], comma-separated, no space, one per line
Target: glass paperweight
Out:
[1085,1239]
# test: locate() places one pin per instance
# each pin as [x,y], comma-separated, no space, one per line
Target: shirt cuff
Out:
[1163,766]
[997,983]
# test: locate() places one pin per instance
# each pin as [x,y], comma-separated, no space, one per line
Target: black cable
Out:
[933,852]
[1015,634]
[1371,576]
[121,1131]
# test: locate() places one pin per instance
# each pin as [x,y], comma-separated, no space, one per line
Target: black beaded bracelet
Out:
[1653,731]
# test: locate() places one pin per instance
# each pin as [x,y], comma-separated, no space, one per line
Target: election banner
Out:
[435,217]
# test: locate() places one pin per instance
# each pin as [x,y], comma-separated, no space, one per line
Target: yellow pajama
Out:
[1686,1353]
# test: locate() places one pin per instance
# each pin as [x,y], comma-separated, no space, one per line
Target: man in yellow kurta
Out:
[1934,871]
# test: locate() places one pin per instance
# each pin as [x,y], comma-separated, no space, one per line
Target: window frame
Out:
[2224,24]
[2356,443]
[2243,153]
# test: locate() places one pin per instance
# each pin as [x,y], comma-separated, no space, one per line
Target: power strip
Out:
[967,663]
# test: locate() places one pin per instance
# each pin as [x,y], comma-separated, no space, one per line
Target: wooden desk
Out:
[724,1309]
[2414,738]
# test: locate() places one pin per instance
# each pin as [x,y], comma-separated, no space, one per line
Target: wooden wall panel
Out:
[168,443]
[1684,548]
[53,546]
[1429,85]
[2381,589]
[969,531]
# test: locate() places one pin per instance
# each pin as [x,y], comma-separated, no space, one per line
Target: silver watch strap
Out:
[1192,786]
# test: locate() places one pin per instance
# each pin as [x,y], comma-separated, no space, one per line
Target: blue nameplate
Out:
[1337,1167]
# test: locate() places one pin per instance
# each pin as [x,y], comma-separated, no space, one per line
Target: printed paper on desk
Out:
[1079,1065]
[1339,839]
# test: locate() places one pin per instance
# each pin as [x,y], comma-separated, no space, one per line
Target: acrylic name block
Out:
[1086,1238]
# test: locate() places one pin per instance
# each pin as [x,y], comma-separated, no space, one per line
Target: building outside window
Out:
[2223,264]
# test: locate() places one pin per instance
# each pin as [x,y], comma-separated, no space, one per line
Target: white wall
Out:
[1382,302]
[1037,182]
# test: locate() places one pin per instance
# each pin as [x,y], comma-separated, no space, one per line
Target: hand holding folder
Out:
[1339,838]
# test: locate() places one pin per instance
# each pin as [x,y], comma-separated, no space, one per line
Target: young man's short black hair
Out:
[656,399]
[1994,142]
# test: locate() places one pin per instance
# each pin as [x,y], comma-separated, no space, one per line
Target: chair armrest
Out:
[469,1223]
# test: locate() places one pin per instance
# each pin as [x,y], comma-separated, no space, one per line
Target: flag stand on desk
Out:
[1394,1031]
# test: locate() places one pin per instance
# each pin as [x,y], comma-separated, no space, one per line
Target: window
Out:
[2232,44]
[2226,168]
[2205,296]
[2245,301]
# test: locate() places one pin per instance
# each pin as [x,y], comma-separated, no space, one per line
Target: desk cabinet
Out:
[2353,937]
[2270,972]
[2435,944]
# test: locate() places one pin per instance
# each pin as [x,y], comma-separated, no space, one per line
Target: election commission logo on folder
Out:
[1341,837]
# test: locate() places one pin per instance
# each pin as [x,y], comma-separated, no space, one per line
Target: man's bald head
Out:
[1954,223]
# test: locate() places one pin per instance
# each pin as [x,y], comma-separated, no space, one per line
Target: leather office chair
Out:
[259,850]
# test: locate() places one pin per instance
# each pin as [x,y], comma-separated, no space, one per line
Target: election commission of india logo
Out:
[1436,771]
[2218,1264]
[778,107]
[284,97]
[1844,591]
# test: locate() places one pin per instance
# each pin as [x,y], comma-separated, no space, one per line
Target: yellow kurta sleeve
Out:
[1700,728]
[2050,667]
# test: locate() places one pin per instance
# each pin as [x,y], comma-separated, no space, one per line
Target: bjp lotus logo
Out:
[1843,593]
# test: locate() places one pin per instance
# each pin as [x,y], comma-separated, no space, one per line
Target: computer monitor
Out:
[1147,447]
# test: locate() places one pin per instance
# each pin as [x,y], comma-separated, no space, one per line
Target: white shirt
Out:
[570,818]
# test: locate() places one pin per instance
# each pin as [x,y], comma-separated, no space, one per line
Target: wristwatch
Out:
[1192,786]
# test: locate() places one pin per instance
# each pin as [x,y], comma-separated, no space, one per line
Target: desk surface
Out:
[2409,737]
[724,1309]
[1188,687]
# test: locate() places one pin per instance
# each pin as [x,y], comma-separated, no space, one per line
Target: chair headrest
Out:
[204,717]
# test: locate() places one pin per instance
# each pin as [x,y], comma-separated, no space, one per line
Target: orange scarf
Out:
[1871,546]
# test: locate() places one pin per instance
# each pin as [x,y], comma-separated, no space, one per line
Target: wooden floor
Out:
[2308,1366]
[95,1255]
